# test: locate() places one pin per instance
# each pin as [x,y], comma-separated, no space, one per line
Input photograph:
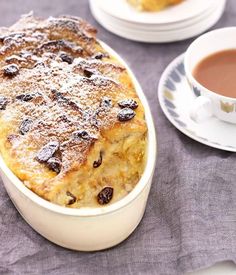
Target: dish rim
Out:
[98,211]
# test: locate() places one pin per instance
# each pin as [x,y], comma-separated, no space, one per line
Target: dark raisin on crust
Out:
[98,162]
[11,70]
[3,102]
[25,97]
[82,134]
[47,151]
[105,195]
[100,55]
[72,198]
[25,126]
[128,103]
[66,58]
[89,72]
[125,114]
[54,164]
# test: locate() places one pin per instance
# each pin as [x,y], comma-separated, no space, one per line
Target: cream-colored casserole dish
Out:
[87,228]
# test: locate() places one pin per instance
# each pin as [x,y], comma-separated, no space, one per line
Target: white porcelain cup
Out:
[207,102]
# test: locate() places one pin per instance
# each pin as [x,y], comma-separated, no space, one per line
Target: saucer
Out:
[176,99]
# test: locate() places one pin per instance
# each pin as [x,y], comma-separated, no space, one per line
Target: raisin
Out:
[98,162]
[106,102]
[125,114]
[73,198]
[81,134]
[66,58]
[54,164]
[89,72]
[100,55]
[25,126]
[25,97]
[128,103]
[47,151]
[3,102]
[11,70]
[105,195]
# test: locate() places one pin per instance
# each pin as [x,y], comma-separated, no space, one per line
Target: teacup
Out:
[209,103]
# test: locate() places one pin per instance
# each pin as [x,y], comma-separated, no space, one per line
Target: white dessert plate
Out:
[183,11]
[151,36]
[155,27]
[176,98]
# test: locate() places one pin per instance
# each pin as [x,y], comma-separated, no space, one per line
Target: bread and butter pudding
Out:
[72,126]
[152,5]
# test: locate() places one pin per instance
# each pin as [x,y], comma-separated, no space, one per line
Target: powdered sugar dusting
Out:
[59,98]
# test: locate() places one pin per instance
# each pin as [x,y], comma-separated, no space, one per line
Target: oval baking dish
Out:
[87,229]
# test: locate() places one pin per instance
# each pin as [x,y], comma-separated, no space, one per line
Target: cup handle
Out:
[201,109]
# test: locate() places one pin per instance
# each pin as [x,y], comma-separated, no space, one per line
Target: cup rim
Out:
[116,206]
[187,55]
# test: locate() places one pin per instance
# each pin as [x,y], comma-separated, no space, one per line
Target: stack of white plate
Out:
[179,22]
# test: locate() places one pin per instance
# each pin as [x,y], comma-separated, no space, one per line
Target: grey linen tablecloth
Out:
[190,221]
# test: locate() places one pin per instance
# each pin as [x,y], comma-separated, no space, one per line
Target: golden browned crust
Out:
[59,96]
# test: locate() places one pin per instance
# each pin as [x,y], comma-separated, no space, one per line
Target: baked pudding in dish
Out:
[72,126]
[152,5]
